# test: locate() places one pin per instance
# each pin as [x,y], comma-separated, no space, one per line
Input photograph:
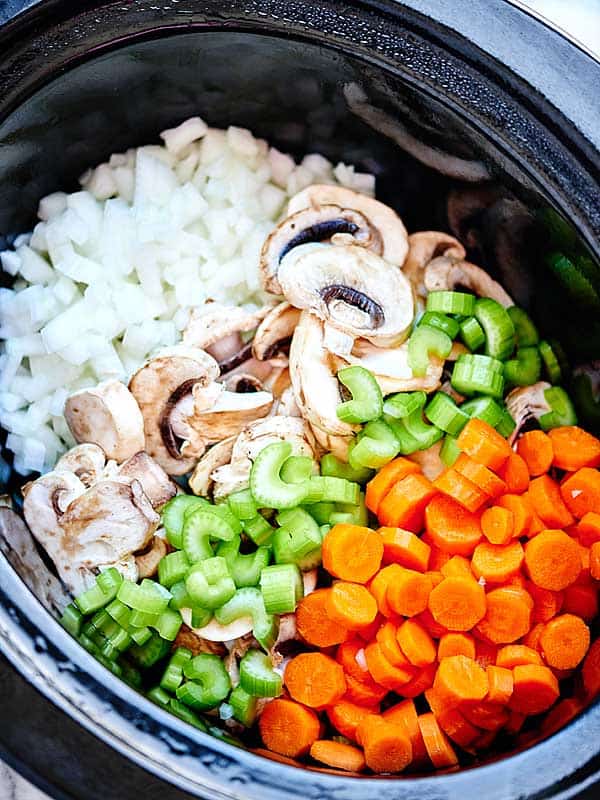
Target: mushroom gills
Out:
[353,297]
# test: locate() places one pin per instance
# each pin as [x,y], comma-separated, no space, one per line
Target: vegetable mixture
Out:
[382,550]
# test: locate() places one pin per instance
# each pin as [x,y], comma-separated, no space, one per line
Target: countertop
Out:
[581,18]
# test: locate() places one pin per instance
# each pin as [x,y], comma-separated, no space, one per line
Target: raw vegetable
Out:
[367,401]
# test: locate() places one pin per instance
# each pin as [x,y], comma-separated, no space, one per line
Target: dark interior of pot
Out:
[432,166]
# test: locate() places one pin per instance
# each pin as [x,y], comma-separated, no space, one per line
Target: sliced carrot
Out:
[481,476]
[404,548]
[465,492]
[581,599]
[451,527]
[590,671]
[518,580]
[346,717]
[588,529]
[552,559]
[562,713]
[288,728]
[438,577]
[352,553]
[438,558]
[350,605]
[458,603]
[564,641]
[522,512]
[338,755]
[416,643]
[497,524]
[515,474]
[364,693]
[367,632]
[386,745]
[508,615]
[574,448]
[515,722]
[532,638]
[457,567]
[496,563]
[456,644]
[511,655]
[384,673]
[461,679]
[535,689]
[581,491]
[386,477]
[313,624]
[351,656]
[450,719]
[422,681]
[404,505]
[584,554]
[595,561]
[404,714]
[485,740]
[535,448]
[428,621]
[315,680]
[546,603]
[500,684]
[439,749]
[485,653]
[536,525]
[486,715]
[409,593]
[379,586]
[484,444]
[387,639]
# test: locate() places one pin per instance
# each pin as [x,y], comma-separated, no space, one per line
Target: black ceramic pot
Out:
[474,116]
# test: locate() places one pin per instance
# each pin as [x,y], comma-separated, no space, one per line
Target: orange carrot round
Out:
[409,593]
[338,755]
[487,716]
[404,504]
[564,641]
[386,746]
[450,719]
[489,483]
[515,474]
[532,637]
[420,683]
[405,715]
[416,643]
[552,559]
[387,476]
[386,637]
[315,680]
[497,524]
[351,656]
[461,679]
[500,684]
[535,448]
[590,671]
[484,444]
[535,689]
[581,599]
[439,749]
[466,493]
[346,716]
[288,728]
[385,673]
[522,512]
[485,653]
[456,567]
[588,529]
[313,623]
[574,448]
[378,587]
[497,563]
[457,603]
[595,561]
[456,644]
[352,553]
[451,527]
[511,655]
[364,692]
[508,615]
[546,603]
[350,605]
[547,502]
[581,491]
[404,548]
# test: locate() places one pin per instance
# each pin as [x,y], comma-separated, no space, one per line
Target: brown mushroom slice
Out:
[423,247]
[391,369]
[525,404]
[155,482]
[429,460]
[385,225]
[218,455]
[274,334]
[147,561]
[157,387]
[86,461]
[215,632]
[108,416]
[350,288]
[447,274]
[188,638]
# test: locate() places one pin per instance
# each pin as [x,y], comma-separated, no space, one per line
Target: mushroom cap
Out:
[275,332]
[352,289]
[525,403]
[155,482]
[86,461]
[445,274]
[147,562]
[381,218]
[218,455]
[108,416]
[215,632]
[423,247]
[214,321]
[157,387]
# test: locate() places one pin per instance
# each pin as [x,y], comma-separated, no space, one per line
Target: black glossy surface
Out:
[72,92]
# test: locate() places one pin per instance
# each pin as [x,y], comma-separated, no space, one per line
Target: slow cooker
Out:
[475,117]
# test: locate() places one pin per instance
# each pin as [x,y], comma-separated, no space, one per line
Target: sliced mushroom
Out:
[218,455]
[215,632]
[158,387]
[287,406]
[187,637]
[526,404]
[352,289]
[86,461]
[390,367]
[445,273]
[274,334]
[147,561]
[423,247]
[155,482]
[429,460]
[108,416]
